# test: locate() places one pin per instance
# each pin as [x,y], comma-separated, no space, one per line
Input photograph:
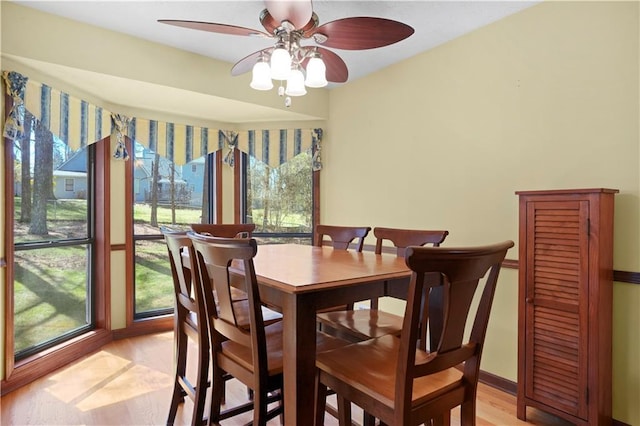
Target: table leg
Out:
[299,359]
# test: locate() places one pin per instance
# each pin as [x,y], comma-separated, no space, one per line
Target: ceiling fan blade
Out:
[298,12]
[214,28]
[246,64]
[359,33]
[337,71]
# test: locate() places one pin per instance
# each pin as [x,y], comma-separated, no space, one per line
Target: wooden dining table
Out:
[298,280]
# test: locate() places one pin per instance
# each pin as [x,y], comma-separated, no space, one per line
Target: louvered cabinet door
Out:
[556,304]
[565,302]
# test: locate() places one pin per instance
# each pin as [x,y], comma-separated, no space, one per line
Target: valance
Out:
[275,147]
[74,121]
[180,143]
[78,123]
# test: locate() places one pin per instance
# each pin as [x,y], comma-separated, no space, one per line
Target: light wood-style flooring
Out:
[129,382]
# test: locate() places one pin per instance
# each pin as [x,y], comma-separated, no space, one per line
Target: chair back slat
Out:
[342,236]
[403,238]
[224,230]
[453,275]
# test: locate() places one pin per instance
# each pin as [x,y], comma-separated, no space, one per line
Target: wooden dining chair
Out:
[401,384]
[243,346]
[189,322]
[341,236]
[362,324]
[225,230]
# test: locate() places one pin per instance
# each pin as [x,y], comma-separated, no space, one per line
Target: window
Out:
[279,200]
[164,194]
[53,259]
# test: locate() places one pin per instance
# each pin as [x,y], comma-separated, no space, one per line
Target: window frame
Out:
[89,241]
[156,321]
[239,173]
[24,371]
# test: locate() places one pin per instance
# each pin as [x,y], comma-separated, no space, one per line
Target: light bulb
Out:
[316,73]
[295,84]
[261,76]
[280,63]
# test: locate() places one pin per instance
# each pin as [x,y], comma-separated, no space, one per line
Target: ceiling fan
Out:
[293,22]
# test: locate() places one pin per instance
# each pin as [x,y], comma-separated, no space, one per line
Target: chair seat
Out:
[237,294]
[242,354]
[363,324]
[242,312]
[370,367]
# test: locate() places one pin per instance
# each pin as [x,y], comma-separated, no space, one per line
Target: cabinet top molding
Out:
[569,191]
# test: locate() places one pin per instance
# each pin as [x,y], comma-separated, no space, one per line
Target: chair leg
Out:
[445,420]
[201,386]
[176,399]
[282,405]
[344,411]
[217,393]
[468,412]
[180,357]
[368,419]
[260,408]
[321,402]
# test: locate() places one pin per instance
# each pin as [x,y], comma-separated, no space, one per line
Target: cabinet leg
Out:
[521,411]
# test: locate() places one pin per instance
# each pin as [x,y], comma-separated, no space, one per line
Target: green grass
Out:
[50,285]
[154,284]
[50,294]
[184,216]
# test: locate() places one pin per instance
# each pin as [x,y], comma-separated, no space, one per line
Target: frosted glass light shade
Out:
[280,64]
[261,76]
[295,84]
[316,73]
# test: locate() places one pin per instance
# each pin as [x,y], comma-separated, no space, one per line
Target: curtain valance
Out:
[74,121]
[78,123]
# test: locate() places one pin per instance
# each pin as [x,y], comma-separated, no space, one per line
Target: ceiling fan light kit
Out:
[261,76]
[291,21]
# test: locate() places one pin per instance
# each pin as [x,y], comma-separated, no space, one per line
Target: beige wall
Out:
[545,99]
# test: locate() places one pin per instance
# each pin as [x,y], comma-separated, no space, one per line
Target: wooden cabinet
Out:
[565,303]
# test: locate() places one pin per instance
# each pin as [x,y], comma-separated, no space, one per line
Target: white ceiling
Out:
[435,23]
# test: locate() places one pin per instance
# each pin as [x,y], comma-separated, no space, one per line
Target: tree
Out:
[154,189]
[266,200]
[204,213]
[25,175]
[173,193]
[42,179]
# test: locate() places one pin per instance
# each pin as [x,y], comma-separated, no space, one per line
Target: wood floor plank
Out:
[129,382]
